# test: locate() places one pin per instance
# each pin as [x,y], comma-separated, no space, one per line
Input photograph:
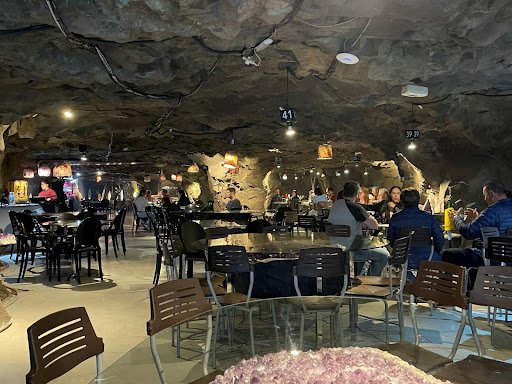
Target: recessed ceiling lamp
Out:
[68,114]
[347,58]
[296,177]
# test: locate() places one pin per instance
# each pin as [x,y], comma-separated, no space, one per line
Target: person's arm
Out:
[472,230]
[362,216]
[437,234]
[371,223]
[392,232]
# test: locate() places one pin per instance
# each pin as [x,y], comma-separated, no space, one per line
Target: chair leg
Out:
[100,269]
[207,344]
[474,332]
[214,353]
[414,321]
[156,359]
[301,337]
[77,268]
[106,244]
[123,242]
[386,319]
[114,245]
[18,247]
[190,269]
[158,265]
[22,262]
[89,257]
[99,367]
[12,251]
[251,331]
[460,331]
[400,306]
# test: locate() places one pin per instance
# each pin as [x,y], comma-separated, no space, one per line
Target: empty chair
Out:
[307,222]
[174,303]
[191,235]
[59,342]
[444,284]
[499,250]
[493,287]
[16,230]
[230,259]
[29,237]
[113,230]
[321,263]
[87,241]
[388,287]
[486,233]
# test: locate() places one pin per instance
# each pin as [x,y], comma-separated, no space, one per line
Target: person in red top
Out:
[47,192]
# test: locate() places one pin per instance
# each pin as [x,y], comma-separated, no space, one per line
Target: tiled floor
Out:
[119,309]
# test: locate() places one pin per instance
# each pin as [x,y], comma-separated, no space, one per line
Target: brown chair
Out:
[59,342]
[444,284]
[174,303]
[321,263]
[388,287]
[493,287]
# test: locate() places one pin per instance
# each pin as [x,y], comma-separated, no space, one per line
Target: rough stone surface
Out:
[460,49]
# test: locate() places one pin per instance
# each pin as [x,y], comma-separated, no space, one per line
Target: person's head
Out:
[182,193]
[318,191]
[394,194]
[277,191]
[164,192]
[148,193]
[142,192]
[45,184]
[330,191]
[294,193]
[375,191]
[383,194]
[351,190]
[231,193]
[493,191]
[410,197]
[363,196]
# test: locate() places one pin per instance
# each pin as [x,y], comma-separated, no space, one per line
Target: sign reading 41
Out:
[287,114]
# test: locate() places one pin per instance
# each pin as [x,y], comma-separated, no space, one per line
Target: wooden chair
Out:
[59,342]
[388,287]
[493,287]
[174,303]
[321,263]
[444,284]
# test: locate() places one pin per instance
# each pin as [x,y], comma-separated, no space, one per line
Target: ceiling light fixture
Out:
[346,171]
[296,177]
[411,146]
[28,173]
[337,173]
[83,157]
[286,113]
[290,131]
[285,176]
[162,175]
[365,172]
[68,114]
[231,158]
[347,58]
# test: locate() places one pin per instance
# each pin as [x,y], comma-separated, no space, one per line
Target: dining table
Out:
[274,255]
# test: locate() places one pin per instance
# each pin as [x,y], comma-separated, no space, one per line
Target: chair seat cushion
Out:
[378,280]
[233,298]
[316,303]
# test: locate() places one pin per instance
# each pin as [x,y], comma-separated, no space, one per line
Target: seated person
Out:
[411,216]
[183,201]
[345,211]
[394,205]
[233,204]
[166,200]
[294,201]
[140,204]
[331,195]
[46,192]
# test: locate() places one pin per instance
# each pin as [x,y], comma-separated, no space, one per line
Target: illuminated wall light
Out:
[83,157]
[194,168]
[365,172]
[322,175]
[230,160]
[162,175]
[296,177]
[311,170]
[318,173]
[338,173]
[98,178]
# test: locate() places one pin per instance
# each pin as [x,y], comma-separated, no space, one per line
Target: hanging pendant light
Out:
[173,177]
[28,173]
[98,178]
[147,179]
[62,170]
[325,152]
[162,175]
[231,158]
[194,168]
[179,177]
[44,170]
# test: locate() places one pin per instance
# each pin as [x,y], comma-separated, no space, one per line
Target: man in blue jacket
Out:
[412,217]
[497,214]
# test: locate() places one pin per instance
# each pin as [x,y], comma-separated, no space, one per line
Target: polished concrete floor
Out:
[119,308]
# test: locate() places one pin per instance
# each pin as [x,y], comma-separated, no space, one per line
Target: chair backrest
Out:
[257,226]
[400,252]
[306,221]
[290,217]
[508,232]
[488,232]
[441,282]
[26,222]
[499,249]
[59,342]
[118,221]
[493,287]
[190,232]
[324,262]
[227,259]
[421,236]
[15,224]
[338,230]
[175,302]
[88,232]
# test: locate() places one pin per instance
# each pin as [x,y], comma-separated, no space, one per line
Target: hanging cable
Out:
[327,26]
[361,34]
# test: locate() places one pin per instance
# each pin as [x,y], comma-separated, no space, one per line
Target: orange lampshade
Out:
[194,168]
[230,160]
[325,152]
[28,173]
[179,177]
[44,171]
[162,177]
[62,170]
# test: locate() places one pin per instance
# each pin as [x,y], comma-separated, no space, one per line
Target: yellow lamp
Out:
[325,152]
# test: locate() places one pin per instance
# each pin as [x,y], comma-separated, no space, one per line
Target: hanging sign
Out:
[411,134]
[287,115]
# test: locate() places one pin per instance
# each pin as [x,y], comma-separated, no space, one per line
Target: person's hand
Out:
[471,213]
[452,213]
[391,205]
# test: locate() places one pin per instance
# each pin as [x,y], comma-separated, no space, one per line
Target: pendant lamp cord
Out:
[287,94]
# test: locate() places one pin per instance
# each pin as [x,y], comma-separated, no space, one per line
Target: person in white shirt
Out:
[140,204]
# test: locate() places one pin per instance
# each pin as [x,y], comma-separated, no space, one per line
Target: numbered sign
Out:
[287,115]
[411,134]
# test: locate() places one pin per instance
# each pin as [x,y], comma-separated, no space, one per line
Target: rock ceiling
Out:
[165,78]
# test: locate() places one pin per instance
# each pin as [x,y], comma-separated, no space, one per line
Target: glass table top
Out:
[276,325]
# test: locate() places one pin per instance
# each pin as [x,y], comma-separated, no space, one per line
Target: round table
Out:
[275,255]
[271,335]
